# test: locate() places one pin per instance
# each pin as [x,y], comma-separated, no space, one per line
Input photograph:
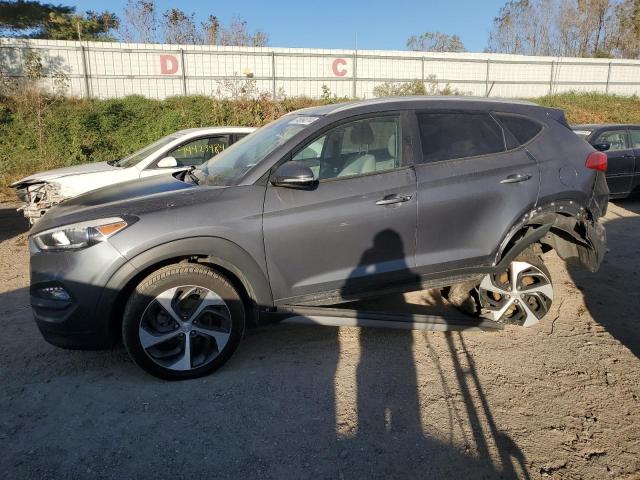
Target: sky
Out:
[377,24]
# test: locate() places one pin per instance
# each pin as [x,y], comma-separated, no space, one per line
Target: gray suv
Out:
[325,205]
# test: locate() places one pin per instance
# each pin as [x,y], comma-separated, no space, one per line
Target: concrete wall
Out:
[106,70]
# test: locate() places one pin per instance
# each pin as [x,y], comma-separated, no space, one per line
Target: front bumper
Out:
[82,320]
[37,198]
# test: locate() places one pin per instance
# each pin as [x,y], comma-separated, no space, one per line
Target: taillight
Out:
[597,161]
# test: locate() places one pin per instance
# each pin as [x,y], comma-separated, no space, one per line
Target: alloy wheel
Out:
[185,327]
[521,295]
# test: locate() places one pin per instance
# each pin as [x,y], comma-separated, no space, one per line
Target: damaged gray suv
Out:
[325,205]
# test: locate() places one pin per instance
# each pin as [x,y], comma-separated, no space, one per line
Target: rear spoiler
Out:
[558,115]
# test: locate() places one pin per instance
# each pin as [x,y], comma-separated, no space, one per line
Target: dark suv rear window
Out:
[457,135]
[522,128]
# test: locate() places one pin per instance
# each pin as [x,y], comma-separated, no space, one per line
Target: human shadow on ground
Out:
[389,427]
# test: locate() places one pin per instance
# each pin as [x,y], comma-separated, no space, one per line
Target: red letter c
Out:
[335,67]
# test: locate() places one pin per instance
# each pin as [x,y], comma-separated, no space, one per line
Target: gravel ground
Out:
[557,400]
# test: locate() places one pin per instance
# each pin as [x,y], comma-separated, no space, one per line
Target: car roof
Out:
[595,126]
[414,102]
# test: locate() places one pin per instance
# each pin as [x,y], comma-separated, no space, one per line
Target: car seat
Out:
[361,135]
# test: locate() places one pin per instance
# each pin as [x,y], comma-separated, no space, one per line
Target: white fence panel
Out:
[107,70]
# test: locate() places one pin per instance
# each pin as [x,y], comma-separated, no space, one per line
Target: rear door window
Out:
[522,128]
[635,138]
[447,136]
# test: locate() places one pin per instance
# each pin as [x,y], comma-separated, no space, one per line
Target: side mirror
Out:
[293,175]
[168,162]
[602,147]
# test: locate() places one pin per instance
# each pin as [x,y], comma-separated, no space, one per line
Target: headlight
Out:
[80,235]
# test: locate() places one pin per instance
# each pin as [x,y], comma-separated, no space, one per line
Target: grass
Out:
[594,107]
[39,134]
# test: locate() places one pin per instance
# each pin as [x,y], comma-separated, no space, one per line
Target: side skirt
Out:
[343,317]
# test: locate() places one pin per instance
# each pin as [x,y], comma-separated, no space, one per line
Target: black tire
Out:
[167,278]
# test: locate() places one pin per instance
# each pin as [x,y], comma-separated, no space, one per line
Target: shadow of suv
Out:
[454,192]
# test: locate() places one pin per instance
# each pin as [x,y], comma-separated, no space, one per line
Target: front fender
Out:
[215,250]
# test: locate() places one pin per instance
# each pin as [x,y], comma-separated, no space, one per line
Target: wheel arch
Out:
[564,226]
[226,257]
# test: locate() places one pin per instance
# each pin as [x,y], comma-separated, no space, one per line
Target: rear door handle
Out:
[519,177]
[393,198]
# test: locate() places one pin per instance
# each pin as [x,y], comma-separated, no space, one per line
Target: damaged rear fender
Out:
[565,227]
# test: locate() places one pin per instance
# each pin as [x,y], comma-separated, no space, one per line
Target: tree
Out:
[238,34]
[435,42]
[140,22]
[576,28]
[180,27]
[34,19]
[211,29]
[17,17]
[626,38]
[524,27]
[91,26]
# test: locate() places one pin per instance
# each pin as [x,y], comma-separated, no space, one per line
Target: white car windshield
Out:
[230,166]
[135,158]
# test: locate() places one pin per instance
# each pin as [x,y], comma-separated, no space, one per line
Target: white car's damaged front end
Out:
[37,198]
[44,190]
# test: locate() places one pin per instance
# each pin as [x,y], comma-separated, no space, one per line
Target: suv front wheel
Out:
[183,321]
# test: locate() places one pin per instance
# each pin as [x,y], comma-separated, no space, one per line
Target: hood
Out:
[64,172]
[128,198]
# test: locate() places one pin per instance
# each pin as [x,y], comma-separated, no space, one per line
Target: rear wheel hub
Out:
[522,295]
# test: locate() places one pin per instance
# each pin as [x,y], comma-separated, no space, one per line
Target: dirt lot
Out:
[558,400]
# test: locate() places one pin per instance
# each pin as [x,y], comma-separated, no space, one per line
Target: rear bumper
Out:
[599,200]
[592,257]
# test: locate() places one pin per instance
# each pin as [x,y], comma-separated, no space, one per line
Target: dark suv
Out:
[325,205]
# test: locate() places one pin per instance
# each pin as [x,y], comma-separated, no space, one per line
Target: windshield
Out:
[134,158]
[228,167]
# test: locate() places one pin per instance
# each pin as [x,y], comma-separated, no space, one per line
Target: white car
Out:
[172,153]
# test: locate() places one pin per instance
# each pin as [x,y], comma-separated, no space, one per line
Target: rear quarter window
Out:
[448,136]
[522,128]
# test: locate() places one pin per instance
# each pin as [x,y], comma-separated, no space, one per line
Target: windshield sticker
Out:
[303,120]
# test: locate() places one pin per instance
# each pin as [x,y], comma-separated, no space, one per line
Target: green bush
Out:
[69,132]
[41,133]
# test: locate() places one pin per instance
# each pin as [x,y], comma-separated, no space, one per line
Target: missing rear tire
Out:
[520,295]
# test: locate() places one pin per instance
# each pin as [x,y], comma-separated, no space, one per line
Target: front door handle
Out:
[519,177]
[393,198]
